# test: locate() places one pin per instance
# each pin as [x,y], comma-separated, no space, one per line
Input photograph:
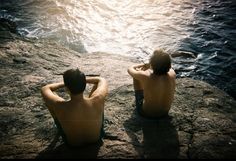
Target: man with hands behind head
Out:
[154,85]
[80,119]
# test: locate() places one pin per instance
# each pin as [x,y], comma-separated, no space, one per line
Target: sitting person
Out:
[155,83]
[80,119]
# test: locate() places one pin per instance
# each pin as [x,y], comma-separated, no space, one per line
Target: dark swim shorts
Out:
[60,131]
[139,101]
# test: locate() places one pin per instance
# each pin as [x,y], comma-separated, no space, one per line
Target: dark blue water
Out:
[206,28]
[214,37]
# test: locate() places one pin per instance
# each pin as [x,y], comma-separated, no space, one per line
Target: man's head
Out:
[75,81]
[160,62]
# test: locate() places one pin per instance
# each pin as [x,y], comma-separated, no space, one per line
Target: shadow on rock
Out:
[153,138]
[63,151]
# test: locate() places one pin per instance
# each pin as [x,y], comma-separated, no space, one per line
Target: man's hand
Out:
[142,67]
[138,71]
[100,88]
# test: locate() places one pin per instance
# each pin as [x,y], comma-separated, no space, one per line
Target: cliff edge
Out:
[201,122]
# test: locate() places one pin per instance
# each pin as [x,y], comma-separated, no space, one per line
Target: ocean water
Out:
[207,28]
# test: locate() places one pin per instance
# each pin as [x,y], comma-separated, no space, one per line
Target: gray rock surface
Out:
[201,122]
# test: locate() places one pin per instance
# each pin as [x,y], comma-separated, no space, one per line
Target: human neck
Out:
[77,97]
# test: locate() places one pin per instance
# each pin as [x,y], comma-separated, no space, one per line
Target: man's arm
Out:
[138,71]
[172,73]
[101,87]
[49,97]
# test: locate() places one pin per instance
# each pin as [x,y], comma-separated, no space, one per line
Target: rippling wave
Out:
[135,27]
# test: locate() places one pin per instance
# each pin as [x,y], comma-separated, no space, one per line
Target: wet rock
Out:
[185,54]
[8,25]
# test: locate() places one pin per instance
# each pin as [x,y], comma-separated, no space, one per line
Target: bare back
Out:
[82,121]
[158,93]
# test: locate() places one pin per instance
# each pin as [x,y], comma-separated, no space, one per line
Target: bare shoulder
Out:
[96,103]
[145,74]
[97,98]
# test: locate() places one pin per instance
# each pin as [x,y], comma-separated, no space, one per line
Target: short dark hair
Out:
[160,62]
[74,80]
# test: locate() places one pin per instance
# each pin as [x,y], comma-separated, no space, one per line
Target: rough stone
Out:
[201,123]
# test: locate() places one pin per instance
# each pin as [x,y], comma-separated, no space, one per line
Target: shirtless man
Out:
[155,83]
[79,119]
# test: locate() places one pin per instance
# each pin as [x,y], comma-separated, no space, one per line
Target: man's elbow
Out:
[172,73]
[105,84]
[129,70]
[102,80]
[43,90]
